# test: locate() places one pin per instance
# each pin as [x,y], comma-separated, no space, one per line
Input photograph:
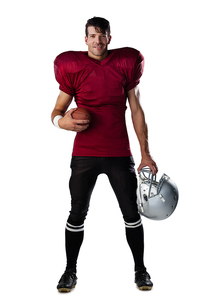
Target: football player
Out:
[101,81]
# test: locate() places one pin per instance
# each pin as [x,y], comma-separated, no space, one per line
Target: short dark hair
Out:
[100,24]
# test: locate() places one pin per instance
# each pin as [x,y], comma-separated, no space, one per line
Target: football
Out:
[81,113]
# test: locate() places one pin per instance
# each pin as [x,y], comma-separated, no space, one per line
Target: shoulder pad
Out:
[128,57]
[70,61]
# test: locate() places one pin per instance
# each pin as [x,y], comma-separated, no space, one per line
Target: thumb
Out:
[140,167]
[69,113]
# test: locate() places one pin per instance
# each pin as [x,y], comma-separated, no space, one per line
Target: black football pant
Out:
[121,174]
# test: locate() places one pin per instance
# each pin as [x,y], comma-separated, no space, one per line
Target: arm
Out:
[67,122]
[141,129]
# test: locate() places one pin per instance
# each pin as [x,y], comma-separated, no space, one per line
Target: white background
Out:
[35,156]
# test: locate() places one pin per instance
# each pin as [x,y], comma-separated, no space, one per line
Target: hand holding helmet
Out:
[156,200]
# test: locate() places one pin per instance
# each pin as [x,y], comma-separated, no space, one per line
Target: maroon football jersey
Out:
[101,87]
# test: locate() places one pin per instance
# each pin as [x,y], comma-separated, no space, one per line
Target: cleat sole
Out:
[65,290]
[145,288]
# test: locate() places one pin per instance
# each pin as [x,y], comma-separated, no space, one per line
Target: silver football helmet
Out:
[156,200]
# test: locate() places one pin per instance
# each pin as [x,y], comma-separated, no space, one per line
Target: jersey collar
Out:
[100,63]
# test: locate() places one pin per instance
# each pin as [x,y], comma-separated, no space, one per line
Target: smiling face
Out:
[97,43]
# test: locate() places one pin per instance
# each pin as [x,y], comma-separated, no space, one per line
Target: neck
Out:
[98,58]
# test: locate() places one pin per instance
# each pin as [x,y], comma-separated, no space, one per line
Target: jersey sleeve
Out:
[134,75]
[64,78]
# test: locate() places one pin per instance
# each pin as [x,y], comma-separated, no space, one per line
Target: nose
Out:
[97,39]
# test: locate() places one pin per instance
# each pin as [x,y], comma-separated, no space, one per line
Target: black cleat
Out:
[67,282]
[142,280]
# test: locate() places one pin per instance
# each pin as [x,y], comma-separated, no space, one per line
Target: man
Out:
[101,80]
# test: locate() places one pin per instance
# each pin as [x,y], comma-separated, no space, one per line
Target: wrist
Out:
[145,154]
[56,119]
[145,150]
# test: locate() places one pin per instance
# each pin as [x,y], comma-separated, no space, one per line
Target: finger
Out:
[83,129]
[79,128]
[81,121]
[154,168]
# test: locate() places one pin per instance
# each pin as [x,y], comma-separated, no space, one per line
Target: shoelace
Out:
[68,274]
[143,275]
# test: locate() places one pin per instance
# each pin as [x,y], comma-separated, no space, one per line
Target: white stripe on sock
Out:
[74,226]
[74,230]
[134,224]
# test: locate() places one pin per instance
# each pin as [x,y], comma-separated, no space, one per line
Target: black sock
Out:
[74,238]
[135,239]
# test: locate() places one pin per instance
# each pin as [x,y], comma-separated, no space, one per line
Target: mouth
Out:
[98,46]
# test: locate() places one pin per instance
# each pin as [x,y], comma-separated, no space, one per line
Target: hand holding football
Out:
[82,114]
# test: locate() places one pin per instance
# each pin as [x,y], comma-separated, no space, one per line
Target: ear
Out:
[86,40]
[110,37]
